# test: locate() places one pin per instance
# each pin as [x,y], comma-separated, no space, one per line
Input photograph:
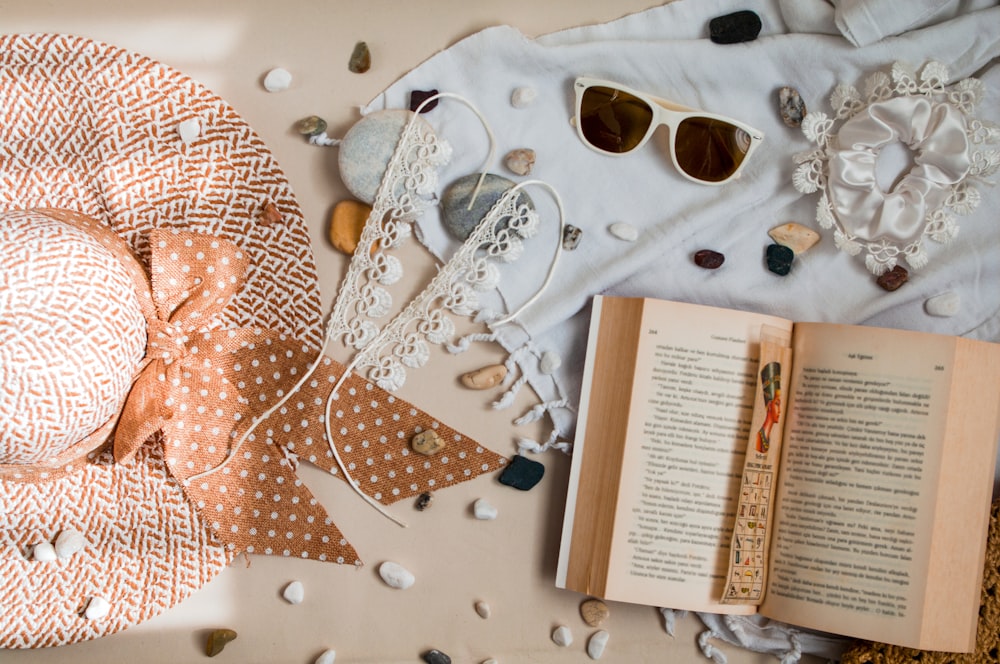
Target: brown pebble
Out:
[485,378]
[894,278]
[361,58]
[427,442]
[270,214]
[708,259]
[346,223]
[594,612]
[217,640]
[418,97]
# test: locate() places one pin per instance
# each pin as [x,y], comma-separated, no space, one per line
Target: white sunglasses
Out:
[613,119]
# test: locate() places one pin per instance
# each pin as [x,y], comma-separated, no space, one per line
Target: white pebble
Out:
[597,643]
[44,552]
[97,608]
[624,231]
[69,542]
[189,129]
[483,510]
[550,362]
[562,636]
[395,575]
[523,97]
[945,304]
[294,592]
[328,657]
[484,610]
[277,79]
[490,661]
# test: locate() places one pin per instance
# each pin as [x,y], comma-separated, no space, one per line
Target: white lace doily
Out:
[951,152]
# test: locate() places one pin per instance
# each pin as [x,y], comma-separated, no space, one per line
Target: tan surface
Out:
[510,562]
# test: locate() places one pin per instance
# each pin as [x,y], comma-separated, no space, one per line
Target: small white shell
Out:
[624,231]
[550,362]
[484,610]
[483,510]
[69,542]
[327,657]
[189,129]
[97,608]
[44,552]
[395,575]
[523,97]
[277,79]
[597,643]
[294,592]
[562,636]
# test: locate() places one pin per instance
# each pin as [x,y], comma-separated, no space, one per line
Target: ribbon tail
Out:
[372,430]
[144,413]
[258,505]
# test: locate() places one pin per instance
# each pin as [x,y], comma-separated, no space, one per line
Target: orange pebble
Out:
[346,223]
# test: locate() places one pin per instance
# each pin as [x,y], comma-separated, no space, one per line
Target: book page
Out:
[859,487]
[691,411]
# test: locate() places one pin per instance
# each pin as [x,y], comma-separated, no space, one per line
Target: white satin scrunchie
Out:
[934,131]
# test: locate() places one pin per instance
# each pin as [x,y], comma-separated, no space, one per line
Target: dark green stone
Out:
[522,473]
[779,259]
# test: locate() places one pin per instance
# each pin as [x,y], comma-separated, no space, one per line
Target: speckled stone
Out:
[893,279]
[418,97]
[311,126]
[779,259]
[522,473]
[424,501]
[367,147]
[571,237]
[708,259]
[435,656]
[945,304]
[790,106]
[594,612]
[733,28]
[520,161]
[427,442]
[361,58]
[455,215]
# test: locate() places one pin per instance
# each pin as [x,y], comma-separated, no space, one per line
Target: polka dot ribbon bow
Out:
[205,385]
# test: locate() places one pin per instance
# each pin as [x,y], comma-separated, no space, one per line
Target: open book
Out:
[830,476]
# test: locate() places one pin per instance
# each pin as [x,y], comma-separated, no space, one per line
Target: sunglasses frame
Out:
[666,113]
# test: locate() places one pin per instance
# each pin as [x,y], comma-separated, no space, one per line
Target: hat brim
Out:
[89,127]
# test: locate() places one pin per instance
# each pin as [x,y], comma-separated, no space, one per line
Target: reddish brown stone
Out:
[709,259]
[894,278]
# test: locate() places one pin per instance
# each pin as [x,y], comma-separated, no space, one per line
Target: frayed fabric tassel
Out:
[670,617]
[507,399]
[538,411]
[553,443]
[322,140]
[463,343]
[710,650]
[795,654]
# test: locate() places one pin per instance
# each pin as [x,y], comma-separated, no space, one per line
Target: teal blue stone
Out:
[368,146]
[455,213]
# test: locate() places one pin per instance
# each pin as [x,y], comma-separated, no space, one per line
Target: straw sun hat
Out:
[157,295]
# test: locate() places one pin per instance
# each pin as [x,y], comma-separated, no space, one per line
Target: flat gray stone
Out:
[945,304]
[461,221]
[367,147]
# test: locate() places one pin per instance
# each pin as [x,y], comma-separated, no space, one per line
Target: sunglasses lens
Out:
[710,150]
[612,120]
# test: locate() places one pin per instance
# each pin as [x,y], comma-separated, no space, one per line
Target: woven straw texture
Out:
[92,128]
[987,634]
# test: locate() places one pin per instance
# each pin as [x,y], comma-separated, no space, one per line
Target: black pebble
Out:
[436,657]
[522,473]
[779,259]
[733,28]
[417,97]
[424,501]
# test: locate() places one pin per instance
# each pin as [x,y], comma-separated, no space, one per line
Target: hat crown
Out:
[72,332]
